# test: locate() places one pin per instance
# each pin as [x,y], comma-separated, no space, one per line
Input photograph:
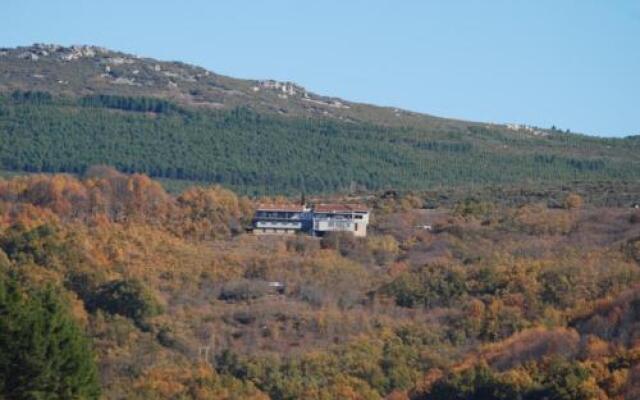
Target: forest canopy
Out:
[267,153]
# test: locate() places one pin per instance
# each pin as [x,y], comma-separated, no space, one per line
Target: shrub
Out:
[302,245]
[573,201]
[433,286]
[475,383]
[384,248]
[632,248]
[243,289]
[40,245]
[567,381]
[472,207]
[342,241]
[128,298]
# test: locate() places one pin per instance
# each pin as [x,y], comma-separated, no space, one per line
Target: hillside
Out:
[63,109]
[166,297]
[88,70]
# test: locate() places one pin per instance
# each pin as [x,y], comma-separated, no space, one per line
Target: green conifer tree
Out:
[43,353]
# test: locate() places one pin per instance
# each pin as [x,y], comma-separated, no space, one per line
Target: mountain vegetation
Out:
[43,353]
[66,109]
[501,262]
[519,297]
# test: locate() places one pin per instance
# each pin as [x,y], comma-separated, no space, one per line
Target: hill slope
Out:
[63,109]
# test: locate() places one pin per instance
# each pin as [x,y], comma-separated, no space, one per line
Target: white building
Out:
[340,218]
[322,218]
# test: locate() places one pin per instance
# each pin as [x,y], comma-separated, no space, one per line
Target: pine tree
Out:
[43,353]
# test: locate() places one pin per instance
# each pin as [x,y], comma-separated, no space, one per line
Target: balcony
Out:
[278,224]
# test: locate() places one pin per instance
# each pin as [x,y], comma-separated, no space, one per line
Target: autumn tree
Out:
[573,201]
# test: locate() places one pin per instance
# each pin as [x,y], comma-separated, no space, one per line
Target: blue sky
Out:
[570,63]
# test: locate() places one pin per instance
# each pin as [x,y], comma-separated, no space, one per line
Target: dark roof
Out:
[281,207]
[340,208]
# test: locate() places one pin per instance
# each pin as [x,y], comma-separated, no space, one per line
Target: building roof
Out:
[281,207]
[340,208]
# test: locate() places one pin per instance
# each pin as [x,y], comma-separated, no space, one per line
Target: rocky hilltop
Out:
[84,70]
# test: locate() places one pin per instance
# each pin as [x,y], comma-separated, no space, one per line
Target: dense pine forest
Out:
[257,153]
[111,287]
[63,109]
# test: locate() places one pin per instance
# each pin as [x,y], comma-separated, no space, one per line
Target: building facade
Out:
[283,219]
[352,218]
[315,221]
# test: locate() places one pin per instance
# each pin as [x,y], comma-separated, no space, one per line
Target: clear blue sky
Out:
[572,63]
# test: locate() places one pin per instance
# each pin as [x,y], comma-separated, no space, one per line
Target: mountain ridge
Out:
[172,81]
[64,109]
